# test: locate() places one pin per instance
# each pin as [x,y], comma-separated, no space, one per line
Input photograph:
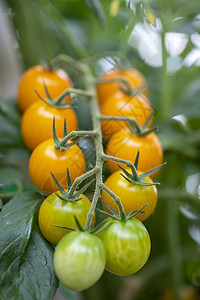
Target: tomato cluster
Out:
[122,244]
[123,141]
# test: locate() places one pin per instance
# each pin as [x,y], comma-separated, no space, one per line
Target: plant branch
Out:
[74,134]
[116,199]
[79,179]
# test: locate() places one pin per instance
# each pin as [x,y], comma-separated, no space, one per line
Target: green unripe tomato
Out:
[79,260]
[127,245]
[55,211]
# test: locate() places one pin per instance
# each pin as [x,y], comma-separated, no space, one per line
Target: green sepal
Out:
[78,224]
[44,100]
[60,188]
[65,128]
[107,214]
[69,182]
[55,138]
[101,227]
[128,176]
[136,178]
[130,216]
[148,120]
[84,188]
[127,216]
[137,160]
[47,93]
[151,171]
[113,211]
[64,227]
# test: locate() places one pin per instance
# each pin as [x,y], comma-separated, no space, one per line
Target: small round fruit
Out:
[56,81]
[133,196]
[137,107]
[79,260]
[127,245]
[37,123]
[55,211]
[46,158]
[124,144]
[133,77]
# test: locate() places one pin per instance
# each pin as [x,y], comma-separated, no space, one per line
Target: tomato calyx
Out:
[58,103]
[70,195]
[64,145]
[119,216]
[99,228]
[135,177]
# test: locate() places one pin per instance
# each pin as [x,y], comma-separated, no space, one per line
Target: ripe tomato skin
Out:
[79,260]
[127,246]
[34,78]
[46,158]
[125,144]
[133,77]
[137,107]
[133,196]
[55,211]
[37,123]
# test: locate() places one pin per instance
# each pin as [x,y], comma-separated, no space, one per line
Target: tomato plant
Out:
[46,158]
[56,211]
[127,245]
[56,82]
[79,260]
[132,195]
[108,89]
[125,144]
[137,107]
[37,121]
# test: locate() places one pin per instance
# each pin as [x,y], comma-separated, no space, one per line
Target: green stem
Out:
[74,134]
[69,91]
[79,179]
[130,121]
[63,58]
[117,200]
[93,102]
[119,160]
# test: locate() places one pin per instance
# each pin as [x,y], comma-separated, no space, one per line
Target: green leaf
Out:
[26,260]
[96,8]
[10,180]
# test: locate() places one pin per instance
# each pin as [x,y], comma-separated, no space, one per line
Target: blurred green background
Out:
[162,40]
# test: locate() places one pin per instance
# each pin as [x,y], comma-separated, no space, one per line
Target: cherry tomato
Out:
[125,144]
[79,260]
[37,122]
[55,211]
[46,158]
[137,107]
[34,79]
[127,246]
[133,196]
[133,77]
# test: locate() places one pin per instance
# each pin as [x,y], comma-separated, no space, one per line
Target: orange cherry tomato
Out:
[46,158]
[137,107]
[132,196]
[133,77]
[125,144]
[34,79]
[37,123]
